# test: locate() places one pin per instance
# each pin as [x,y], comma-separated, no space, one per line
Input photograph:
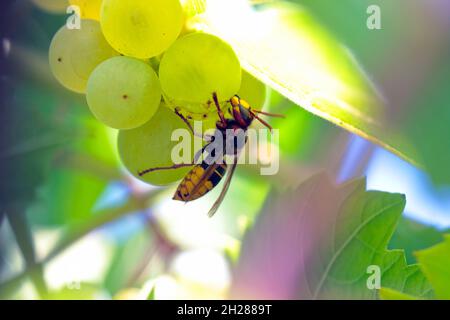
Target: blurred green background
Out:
[74,224]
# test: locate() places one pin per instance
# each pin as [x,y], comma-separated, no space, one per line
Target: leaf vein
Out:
[347,242]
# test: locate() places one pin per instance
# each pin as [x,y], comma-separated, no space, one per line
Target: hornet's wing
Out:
[224,189]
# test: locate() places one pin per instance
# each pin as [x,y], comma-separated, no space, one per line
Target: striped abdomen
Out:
[199,181]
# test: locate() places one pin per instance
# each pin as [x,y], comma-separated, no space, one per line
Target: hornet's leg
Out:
[219,110]
[177,112]
[175,166]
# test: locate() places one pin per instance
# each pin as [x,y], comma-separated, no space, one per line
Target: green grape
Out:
[253,91]
[123,92]
[193,7]
[141,28]
[194,67]
[74,54]
[150,146]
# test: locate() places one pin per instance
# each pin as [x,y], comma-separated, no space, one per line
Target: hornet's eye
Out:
[245,113]
[235,101]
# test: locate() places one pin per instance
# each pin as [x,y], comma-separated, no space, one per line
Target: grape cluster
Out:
[137,64]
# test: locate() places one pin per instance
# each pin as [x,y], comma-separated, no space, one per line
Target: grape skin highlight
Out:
[74,54]
[123,92]
[194,67]
[141,28]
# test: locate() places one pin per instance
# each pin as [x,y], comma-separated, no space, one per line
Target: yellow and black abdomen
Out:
[199,181]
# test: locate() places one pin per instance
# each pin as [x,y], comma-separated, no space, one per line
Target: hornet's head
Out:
[244,115]
[241,111]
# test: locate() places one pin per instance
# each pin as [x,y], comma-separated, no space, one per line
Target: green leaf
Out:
[405,278]
[435,263]
[302,131]
[389,294]
[425,99]
[319,242]
[284,46]
[411,236]
[429,108]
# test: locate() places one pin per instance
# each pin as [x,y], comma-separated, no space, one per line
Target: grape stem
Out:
[135,203]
